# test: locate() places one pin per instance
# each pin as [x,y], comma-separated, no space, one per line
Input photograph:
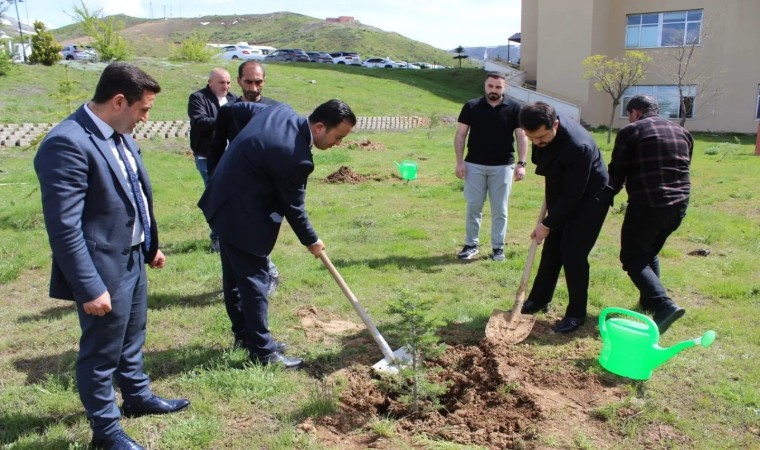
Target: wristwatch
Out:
[522,163]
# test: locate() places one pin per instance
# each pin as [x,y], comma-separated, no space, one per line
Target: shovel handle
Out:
[520,297]
[384,348]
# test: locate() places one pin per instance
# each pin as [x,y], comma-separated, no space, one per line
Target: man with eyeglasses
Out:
[566,155]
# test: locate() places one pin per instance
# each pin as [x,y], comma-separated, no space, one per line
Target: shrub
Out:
[45,49]
[193,49]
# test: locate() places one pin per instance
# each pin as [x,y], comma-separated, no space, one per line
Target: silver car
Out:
[79,53]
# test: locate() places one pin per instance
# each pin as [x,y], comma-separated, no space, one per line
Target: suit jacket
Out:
[230,119]
[574,171]
[87,207]
[202,108]
[261,180]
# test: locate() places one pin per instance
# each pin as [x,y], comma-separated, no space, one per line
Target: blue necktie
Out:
[136,191]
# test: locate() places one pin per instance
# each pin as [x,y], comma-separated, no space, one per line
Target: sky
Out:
[445,24]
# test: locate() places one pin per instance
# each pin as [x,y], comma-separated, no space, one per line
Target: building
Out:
[723,93]
[341,19]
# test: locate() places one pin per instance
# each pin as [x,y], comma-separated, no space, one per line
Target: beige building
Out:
[723,82]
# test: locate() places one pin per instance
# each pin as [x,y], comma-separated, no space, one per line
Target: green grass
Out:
[386,237]
[25,95]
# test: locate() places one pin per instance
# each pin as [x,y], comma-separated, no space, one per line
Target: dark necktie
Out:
[136,191]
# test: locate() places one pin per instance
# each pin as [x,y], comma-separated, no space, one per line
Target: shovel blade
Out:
[400,358]
[508,327]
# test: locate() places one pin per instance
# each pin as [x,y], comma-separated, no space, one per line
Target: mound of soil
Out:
[345,175]
[364,144]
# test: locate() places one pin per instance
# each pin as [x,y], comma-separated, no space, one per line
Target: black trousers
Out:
[249,274]
[567,247]
[645,230]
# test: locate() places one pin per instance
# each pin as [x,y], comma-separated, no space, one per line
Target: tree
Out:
[686,72]
[6,61]
[45,49]
[105,35]
[193,48]
[460,55]
[615,75]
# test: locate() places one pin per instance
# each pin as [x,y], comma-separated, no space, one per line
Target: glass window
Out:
[668,99]
[666,29]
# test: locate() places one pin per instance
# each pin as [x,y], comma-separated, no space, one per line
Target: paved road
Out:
[22,135]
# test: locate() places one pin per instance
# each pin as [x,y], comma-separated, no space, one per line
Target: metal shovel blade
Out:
[400,358]
[509,328]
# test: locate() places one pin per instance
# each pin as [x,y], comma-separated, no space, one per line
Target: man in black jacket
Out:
[651,158]
[567,157]
[202,108]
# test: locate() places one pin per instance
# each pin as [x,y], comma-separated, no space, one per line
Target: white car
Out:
[406,65]
[232,52]
[79,53]
[378,62]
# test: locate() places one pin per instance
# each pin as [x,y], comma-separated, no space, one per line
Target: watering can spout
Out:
[397,164]
[664,354]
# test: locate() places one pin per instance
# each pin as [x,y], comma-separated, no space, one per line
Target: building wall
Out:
[557,35]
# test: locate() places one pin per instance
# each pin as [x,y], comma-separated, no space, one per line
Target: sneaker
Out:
[468,252]
[498,254]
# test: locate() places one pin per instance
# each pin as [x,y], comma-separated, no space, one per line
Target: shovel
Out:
[511,327]
[392,360]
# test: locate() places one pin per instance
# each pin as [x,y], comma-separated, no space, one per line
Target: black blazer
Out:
[573,168]
[202,108]
[261,180]
[87,207]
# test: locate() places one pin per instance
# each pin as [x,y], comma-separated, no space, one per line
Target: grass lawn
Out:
[389,239]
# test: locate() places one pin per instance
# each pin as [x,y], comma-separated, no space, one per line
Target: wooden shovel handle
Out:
[520,298]
[379,340]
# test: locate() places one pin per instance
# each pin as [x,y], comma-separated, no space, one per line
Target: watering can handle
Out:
[625,312]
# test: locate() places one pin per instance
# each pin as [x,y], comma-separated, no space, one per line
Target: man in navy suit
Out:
[261,180]
[98,207]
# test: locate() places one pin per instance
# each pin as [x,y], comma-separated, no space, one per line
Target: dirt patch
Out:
[498,396]
[364,144]
[345,175]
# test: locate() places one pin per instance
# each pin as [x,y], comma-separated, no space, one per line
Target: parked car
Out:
[79,53]
[379,62]
[346,58]
[406,65]
[288,55]
[320,57]
[231,52]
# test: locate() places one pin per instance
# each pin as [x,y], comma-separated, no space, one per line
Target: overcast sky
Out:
[441,23]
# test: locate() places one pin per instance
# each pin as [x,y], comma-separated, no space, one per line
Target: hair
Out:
[254,63]
[534,115]
[498,75]
[332,113]
[645,104]
[126,79]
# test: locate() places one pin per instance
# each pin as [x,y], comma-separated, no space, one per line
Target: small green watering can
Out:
[629,347]
[407,170]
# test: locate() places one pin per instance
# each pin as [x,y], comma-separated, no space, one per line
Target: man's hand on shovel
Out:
[540,233]
[316,248]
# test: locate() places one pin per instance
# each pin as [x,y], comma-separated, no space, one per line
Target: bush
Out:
[6,61]
[193,49]
[45,49]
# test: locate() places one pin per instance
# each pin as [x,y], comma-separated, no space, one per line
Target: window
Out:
[666,29]
[668,99]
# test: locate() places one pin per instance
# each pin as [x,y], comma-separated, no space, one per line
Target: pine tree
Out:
[45,49]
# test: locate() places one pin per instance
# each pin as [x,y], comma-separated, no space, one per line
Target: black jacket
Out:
[202,107]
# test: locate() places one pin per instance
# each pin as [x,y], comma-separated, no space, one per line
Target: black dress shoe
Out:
[666,315]
[119,441]
[568,324]
[531,307]
[154,405]
[278,346]
[278,358]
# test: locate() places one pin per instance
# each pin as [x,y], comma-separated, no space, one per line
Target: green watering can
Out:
[629,347]
[407,170]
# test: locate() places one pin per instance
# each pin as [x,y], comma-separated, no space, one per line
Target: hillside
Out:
[155,37]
